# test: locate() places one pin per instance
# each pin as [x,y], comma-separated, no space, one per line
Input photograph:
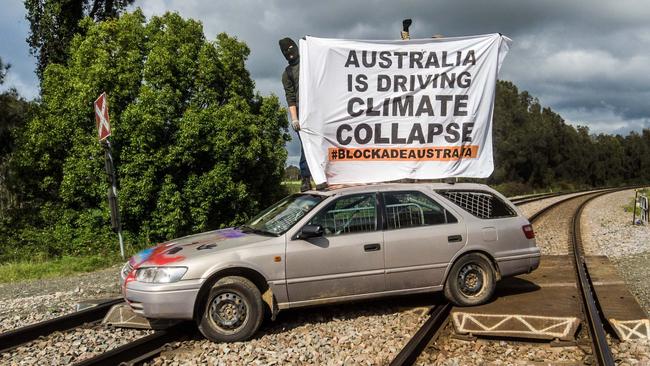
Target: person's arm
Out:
[290,94]
[293,111]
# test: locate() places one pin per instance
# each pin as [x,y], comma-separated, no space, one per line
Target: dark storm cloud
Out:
[587,60]
[587,56]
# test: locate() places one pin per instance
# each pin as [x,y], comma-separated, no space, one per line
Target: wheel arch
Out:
[250,274]
[487,254]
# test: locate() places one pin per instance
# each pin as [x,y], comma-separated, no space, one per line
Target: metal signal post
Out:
[116,224]
[104,131]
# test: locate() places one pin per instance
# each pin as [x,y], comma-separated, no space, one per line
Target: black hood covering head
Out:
[290,50]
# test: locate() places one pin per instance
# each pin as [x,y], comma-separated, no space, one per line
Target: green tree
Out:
[292,172]
[14,112]
[3,71]
[53,24]
[196,148]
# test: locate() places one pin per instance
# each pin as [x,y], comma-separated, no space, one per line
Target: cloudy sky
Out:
[587,60]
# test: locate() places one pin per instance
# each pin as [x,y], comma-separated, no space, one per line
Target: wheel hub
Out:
[470,279]
[228,310]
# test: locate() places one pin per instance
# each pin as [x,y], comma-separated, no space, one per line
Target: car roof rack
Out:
[324,187]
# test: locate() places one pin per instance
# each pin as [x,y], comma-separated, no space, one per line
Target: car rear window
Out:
[481,204]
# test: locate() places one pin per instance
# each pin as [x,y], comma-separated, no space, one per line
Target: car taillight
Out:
[528,231]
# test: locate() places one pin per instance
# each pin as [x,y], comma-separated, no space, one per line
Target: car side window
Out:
[413,209]
[350,214]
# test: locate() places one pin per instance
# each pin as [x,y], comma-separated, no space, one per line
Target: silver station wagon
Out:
[334,246]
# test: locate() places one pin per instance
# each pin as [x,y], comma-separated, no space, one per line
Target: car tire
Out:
[233,310]
[471,280]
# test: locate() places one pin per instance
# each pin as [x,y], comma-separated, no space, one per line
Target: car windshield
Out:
[278,218]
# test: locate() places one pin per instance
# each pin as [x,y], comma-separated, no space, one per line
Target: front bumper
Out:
[163,301]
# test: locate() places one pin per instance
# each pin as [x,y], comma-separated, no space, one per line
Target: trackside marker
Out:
[101,117]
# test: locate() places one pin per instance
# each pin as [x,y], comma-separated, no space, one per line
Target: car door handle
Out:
[371,247]
[454,238]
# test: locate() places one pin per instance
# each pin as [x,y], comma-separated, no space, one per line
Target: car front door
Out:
[348,259]
[421,238]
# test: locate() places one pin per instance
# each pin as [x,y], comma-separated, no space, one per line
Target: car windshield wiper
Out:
[256,230]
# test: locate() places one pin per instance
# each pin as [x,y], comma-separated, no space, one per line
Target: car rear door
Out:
[421,237]
[347,260]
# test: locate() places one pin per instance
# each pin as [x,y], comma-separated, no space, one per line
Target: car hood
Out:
[177,251]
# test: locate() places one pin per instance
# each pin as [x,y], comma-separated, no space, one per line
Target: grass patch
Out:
[292,186]
[632,204]
[28,270]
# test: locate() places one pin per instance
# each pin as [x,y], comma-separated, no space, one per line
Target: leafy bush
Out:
[195,147]
[511,189]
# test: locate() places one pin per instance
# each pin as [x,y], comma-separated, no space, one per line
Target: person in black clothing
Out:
[290,82]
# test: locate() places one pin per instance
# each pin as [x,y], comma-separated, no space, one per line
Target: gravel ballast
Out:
[530,208]
[64,348]
[364,333]
[604,224]
[553,228]
[449,351]
[608,230]
[26,302]
[355,334]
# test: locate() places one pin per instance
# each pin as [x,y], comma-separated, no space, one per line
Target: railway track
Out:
[150,346]
[589,300]
[14,338]
[438,314]
[602,352]
[141,349]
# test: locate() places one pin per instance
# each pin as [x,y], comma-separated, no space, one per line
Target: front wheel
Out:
[233,310]
[471,281]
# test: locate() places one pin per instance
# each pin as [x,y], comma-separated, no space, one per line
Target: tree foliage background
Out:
[53,24]
[536,148]
[195,146]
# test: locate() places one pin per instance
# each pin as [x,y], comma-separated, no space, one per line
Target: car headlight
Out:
[126,270]
[160,274]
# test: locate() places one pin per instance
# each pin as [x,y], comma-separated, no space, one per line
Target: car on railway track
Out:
[332,246]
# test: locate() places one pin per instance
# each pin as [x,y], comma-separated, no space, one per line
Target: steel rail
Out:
[538,214]
[597,332]
[16,337]
[541,196]
[602,352]
[438,315]
[151,345]
[141,349]
[536,197]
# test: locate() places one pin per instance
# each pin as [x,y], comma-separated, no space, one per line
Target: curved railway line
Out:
[438,314]
[151,345]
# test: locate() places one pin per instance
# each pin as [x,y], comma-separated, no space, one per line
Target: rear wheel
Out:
[233,310]
[471,281]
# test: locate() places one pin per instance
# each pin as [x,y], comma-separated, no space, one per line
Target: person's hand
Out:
[296,125]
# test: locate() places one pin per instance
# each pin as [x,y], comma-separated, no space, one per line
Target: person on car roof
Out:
[290,78]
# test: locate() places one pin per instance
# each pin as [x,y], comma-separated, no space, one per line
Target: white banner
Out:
[373,111]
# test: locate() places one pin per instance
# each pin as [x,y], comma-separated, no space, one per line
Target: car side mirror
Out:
[311,231]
